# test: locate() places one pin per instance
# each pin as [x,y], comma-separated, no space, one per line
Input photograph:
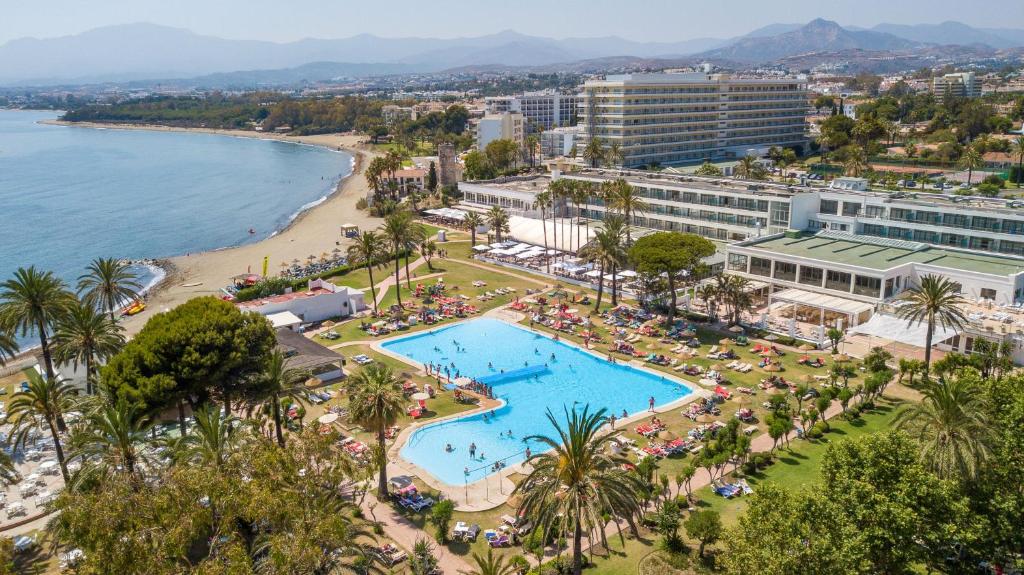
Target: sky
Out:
[643,20]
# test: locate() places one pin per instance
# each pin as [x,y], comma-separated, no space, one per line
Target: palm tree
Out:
[593,152]
[474,221]
[708,292]
[213,439]
[107,284]
[625,199]
[375,402]
[396,229]
[497,219]
[87,336]
[856,163]
[582,192]
[367,250]
[33,301]
[1018,150]
[971,160]
[936,301]
[282,382]
[746,167]
[8,348]
[613,154]
[574,482]
[542,202]
[112,440]
[490,565]
[42,404]
[416,235]
[606,249]
[951,425]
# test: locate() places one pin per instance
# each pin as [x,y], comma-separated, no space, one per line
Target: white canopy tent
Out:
[593,274]
[897,329]
[482,248]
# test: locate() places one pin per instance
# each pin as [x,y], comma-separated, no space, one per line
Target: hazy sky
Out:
[284,20]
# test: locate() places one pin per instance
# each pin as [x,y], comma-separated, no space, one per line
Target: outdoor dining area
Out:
[518,253]
[38,480]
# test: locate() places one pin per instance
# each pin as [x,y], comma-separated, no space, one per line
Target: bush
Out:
[361,204]
[785,340]
[818,430]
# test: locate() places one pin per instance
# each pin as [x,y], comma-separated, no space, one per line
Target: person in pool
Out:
[448,448]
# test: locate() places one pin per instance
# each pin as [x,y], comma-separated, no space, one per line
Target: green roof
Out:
[878,256]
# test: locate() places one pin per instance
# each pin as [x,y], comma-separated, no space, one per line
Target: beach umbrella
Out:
[725,341]
[771,337]
[806,347]
[310,258]
[736,329]
[773,367]
[283,264]
[718,367]
[808,378]
[840,357]
[770,353]
[336,251]
[328,418]
[420,396]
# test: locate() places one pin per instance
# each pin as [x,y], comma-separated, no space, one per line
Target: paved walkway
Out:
[405,533]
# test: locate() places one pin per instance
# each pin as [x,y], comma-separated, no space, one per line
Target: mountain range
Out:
[149,51]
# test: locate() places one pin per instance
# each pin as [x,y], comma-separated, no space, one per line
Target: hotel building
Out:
[685,118]
[541,110]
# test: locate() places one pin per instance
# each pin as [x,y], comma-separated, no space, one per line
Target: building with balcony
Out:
[958,85]
[671,119]
[541,110]
[559,141]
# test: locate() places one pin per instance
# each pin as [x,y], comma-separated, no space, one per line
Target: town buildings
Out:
[322,300]
[959,85]
[559,141]
[503,126]
[672,119]
[541,110]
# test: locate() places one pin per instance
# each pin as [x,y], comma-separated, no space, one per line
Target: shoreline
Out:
[314,229]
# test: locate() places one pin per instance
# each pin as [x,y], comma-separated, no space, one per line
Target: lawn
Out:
[423,148]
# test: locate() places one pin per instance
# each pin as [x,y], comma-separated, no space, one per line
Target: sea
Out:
[72,194]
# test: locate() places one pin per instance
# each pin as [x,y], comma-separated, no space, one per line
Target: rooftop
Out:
[304,353]
[529,184]
[884,254]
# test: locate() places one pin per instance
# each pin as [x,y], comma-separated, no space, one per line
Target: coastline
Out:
[313,230]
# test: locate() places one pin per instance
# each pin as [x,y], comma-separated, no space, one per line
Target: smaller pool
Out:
[531,373]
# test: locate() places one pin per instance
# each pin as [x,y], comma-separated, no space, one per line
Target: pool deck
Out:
[495,489]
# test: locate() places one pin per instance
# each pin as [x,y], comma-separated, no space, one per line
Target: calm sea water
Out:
[68,195]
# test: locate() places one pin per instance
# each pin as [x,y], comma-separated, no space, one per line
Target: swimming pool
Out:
[550,374]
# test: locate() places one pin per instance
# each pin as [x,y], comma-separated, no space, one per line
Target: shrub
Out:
[818,430]
[785,340]
[361,204]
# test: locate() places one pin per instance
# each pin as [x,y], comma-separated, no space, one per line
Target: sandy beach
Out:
[315,231]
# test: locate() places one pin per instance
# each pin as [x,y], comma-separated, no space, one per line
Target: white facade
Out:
[323,300]
[960,84]
[541,110]
[559,141]
[505,126]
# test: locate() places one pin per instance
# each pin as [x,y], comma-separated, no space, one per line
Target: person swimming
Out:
[448,448]
[552,357]
[490,365]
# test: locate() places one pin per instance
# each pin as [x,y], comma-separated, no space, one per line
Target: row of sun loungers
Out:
[740,367]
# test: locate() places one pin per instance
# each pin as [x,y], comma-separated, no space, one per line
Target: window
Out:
[760,266]
[811,275]
[874,211]
[737,262]
[988,293]
[839,281]
[851,209]
[785,271]
[829,207]
[868,286]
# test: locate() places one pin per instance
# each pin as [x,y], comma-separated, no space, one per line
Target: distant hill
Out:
[815,36]
[947,33]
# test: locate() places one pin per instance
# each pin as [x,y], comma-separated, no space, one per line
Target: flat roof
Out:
[876,255]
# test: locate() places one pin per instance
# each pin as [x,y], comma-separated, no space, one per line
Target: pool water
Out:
[552,375]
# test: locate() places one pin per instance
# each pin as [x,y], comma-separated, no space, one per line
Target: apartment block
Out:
[671,119]
[958,85]
[541,110]
[503,126]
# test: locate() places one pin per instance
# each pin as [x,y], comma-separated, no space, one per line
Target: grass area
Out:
[423,148]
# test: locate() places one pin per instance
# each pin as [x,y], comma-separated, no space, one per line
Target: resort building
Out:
[958,85]
[541,110]
[517,195]
[394,114]
[321,301]
[408,179]
[559,141]
[670,119]
[504,126]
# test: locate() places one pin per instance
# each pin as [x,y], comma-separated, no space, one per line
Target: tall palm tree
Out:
[107,284]
[87,336]
[587,190]
[593,152]
[375,402]
[368,249]
[580,195]
[474,221]
[613,154]
[213,439]
[856,163]
[708,292]
[497,219]
[282,382]
[490,565]
[396,229]
[33,301]
[971,160]
[112,440]
[746,167]
[542,202]
[625,199]
[575,482]
[42,405]
[415,236]
[1018,150]
[606,249]
[8,347]
[936,301]
[952,426]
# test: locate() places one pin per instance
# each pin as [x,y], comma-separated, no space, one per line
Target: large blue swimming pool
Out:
[556,375]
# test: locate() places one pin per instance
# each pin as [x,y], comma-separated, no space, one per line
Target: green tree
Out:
[441,518]
[574,482]
[478,166]
[856,163]
[666,521]
[502,154]
[214,439]
[497,219]
[620,196]
[368,249]
[490,565]
[605,250]
[672,253]
[41,406]
[594,152]
[32,302]
[107,284]
[8,347]
[936,301]
[432,178]
[705,526]
[834,336]
[1018,151]
[543,202]
[86,336]
[397,228]
[376,402]
[951,424]
[112,441]
[473,220]
[971,160]
[283,383]
[708,169]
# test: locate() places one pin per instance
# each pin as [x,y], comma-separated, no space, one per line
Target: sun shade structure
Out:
[890,327]
[828,302]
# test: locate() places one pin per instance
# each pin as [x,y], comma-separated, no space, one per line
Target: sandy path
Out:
[313,232]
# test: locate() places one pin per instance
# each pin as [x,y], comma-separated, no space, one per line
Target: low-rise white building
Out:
[323,300]
[505,126]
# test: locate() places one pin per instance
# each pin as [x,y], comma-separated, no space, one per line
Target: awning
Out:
[284,319]
[593,273]
[831,303]
[898,329]
[481,248]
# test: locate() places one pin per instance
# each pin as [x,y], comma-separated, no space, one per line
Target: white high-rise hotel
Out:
[685,118]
